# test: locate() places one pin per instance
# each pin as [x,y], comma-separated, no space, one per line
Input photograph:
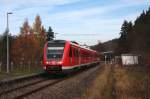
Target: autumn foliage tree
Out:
[37,25]
[28,46]
[39,33]
[25,49]
[25,29]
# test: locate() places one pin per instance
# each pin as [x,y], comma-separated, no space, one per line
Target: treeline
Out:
[106,46]
[134,38]
[25,48]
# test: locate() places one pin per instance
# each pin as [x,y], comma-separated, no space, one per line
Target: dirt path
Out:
[101,87]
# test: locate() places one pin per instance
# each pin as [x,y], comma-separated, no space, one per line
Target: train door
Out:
[77,52]
[73,56]
[79,56]
[76,56]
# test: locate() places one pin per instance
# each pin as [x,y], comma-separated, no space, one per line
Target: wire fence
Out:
[22,66]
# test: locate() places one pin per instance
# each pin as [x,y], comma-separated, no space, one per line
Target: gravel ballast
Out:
[68,89]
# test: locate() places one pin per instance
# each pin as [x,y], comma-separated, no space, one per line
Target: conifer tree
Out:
[123,45]
[50,34]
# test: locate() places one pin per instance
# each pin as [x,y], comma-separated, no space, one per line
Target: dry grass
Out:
[102,85]
[114,82]
[132,83]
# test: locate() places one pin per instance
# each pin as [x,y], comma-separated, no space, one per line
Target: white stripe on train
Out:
[71,67]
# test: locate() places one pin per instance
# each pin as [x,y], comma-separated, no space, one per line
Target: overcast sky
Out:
[85,21]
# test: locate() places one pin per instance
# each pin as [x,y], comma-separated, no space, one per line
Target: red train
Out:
[66,56]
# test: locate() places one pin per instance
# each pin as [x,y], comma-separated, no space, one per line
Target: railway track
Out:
[19,92]
[17,88]
[38,89]
[20,87]
[68,89]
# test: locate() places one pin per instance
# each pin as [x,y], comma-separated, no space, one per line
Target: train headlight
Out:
[47,62]
[59,62]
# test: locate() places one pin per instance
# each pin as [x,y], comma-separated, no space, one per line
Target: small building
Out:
[107,56]
[130,59]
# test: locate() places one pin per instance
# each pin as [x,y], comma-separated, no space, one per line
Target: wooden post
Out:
[105,60]
[0,66]
[12,66]
[29,64]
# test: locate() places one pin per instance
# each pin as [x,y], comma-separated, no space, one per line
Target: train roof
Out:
[57,41]
[76,44]
[71,42]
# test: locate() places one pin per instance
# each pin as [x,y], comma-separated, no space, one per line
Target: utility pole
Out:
[55,35]
[7,31]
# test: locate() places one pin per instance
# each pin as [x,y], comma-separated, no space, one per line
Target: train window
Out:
[55,49]
[73,50]
[70,52]
[54,56]
[76,52]
[82,54]
[55,44]
[79,54]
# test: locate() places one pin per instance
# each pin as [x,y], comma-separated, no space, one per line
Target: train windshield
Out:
[55,50]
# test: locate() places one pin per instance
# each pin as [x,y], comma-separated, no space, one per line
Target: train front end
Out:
[53,56]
